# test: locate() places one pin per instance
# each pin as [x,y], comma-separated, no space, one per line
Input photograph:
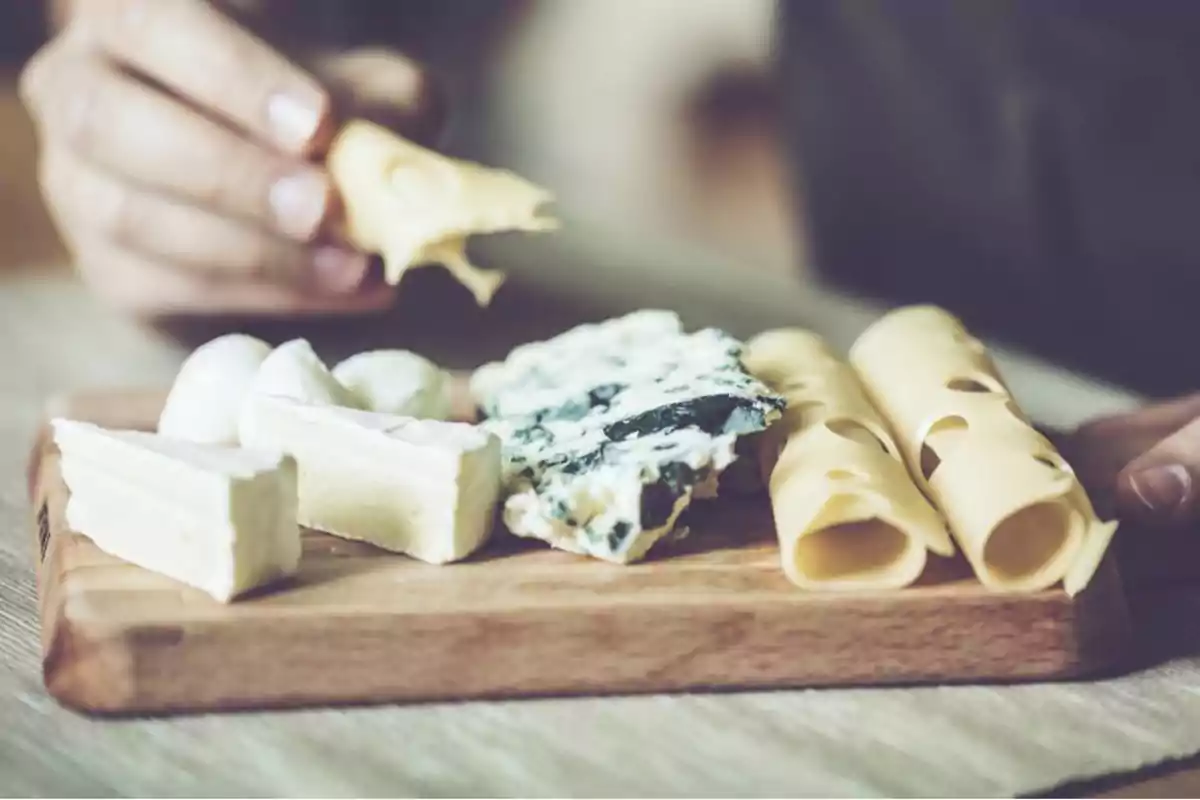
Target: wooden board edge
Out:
[89,673]
[144,670]
[137,672]
[80,669]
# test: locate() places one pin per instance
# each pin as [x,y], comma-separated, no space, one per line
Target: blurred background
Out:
[697,158]
[27,240]
[988,157]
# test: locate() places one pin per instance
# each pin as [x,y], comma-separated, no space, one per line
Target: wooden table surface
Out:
[492,737]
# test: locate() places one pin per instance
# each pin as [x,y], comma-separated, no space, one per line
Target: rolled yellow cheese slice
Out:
[820,389]
[1015,507]
[847,514]
[416,207]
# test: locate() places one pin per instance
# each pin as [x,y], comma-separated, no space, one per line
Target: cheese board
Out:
[357,624]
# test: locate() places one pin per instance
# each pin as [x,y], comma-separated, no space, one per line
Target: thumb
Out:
[1161,485]
[386,88]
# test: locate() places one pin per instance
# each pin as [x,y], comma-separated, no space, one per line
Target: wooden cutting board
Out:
[359,625]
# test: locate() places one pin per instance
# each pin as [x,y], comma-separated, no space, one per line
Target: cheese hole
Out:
[1026,541]
[1049,462]
[941,432]
[968,385]
[849,550]
[1062,470]
[855,432]
[929,461]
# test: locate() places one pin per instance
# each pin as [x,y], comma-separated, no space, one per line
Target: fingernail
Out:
[299,202]
[294,119]
[1164,488]
[339,271]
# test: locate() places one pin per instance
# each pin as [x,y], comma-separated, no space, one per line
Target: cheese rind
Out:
[396,382]
[611,429]
[218,518]
[205,400]
[424,488]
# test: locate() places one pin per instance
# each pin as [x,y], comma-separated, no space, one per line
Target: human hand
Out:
[176,162]
[1143,465]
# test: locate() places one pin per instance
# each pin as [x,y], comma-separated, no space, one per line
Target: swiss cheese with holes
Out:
[1015,507]
[415,207]
[847,514]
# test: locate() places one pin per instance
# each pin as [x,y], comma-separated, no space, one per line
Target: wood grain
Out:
[359,625]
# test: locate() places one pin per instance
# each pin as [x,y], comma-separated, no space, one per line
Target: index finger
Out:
[205,57]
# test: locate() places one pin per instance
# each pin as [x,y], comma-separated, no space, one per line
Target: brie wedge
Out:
[206,398]
[218,518]
[396,382]
[421,487]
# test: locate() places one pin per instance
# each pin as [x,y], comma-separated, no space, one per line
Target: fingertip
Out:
[338,271]
[300,118]
[1159,492]
[302,203]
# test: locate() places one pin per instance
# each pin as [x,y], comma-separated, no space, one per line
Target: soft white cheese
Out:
[206,399]
[218,518]
[425,488]
[396,382]
[292,371]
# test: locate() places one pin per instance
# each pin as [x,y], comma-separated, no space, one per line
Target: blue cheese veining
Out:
[610,430]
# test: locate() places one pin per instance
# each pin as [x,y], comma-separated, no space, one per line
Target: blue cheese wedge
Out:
[425,488]
[218,518]
[611,429]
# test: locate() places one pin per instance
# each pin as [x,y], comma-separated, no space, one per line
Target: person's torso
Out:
[1033,166]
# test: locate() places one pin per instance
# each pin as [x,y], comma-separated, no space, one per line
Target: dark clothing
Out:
[1033,165]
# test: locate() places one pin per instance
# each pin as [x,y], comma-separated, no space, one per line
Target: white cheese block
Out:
[206,399]
[221,519]
[425,488]
[396,382]
[293,371]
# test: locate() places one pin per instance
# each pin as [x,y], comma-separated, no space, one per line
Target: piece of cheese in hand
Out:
[425,488]
[396,382]
[294,371]
[218,518]
[416,207]
[206,399]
